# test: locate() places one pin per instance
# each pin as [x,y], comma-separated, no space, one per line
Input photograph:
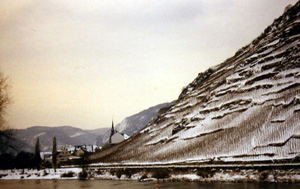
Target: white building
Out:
[117,138]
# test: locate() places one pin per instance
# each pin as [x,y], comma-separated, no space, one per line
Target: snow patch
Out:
[40,134]
[77,134]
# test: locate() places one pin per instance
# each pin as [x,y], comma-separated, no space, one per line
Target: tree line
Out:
[22,160]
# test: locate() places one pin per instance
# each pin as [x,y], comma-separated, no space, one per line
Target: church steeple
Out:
[112,131]
[112,128]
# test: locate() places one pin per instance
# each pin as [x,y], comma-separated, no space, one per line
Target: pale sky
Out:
[84,62]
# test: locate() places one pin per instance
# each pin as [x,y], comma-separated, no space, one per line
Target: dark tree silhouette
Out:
[54,153]
[23,160]
[84,161]
[36,160]
[7,161]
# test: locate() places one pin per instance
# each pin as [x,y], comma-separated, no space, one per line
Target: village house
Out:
[71,155]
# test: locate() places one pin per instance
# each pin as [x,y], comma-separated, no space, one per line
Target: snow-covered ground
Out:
[41,174]
[211,175]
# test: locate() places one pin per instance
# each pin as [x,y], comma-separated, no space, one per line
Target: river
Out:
[111,184]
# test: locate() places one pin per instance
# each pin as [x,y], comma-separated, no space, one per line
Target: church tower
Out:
[112,131]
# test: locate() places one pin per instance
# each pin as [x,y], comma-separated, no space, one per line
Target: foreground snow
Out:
[41,174]
[211,175]
[196,175]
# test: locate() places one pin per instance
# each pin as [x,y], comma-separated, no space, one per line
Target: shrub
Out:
[45,173]
[205,173]
[112,172]
[99,172]
[69,174]
[263,175]
[127,172]
[83,175]
[144,176]
[119,173]
[161,173]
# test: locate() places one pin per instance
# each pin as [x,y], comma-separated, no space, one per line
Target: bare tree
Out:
[5,134]
[4,101]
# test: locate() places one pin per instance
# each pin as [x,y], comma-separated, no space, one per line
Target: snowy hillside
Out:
[131,125]
[245,109]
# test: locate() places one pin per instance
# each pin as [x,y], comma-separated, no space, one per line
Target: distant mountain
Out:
[100,131]
[132,124]
[103,135]
[65,135]
[25,139]
[10,144]
[244,109]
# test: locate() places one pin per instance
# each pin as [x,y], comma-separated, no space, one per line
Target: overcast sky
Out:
[84,62]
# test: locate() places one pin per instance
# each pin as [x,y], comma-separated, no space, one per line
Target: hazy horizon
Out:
[82,64]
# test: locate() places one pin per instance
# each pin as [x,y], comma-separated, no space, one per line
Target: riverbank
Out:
[163,174]
[200,175]
[64,173]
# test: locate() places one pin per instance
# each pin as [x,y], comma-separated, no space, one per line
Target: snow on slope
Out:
[245,109]
[77,134]
[132,124]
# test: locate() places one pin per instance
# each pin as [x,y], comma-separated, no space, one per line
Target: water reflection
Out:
[108,184]
[85,184]
[54,184]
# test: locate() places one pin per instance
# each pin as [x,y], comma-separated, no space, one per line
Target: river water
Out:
[111,184]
